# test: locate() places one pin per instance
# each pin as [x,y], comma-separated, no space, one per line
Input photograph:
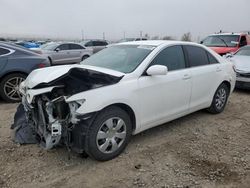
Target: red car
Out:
[224,43]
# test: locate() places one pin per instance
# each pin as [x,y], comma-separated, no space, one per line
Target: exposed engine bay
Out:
[47,119]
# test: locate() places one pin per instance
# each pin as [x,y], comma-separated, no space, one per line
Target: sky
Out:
[75,19]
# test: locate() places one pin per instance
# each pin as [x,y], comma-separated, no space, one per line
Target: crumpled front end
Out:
[46,118]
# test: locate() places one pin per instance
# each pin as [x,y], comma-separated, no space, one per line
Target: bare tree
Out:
[167,38]
[155,38]
[146,36]
[186,37]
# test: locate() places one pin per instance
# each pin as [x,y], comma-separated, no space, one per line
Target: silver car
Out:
[95,45]
[64,53]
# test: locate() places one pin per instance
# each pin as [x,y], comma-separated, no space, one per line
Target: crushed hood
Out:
[46,76]
[242,63]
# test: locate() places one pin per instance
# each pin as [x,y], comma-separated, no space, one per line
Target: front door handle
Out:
[218,69]
[186,76]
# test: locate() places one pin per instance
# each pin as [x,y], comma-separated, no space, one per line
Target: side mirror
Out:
[157,70]
[57,49]
[229,55]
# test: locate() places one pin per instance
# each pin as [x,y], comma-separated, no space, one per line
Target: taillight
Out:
[41,65]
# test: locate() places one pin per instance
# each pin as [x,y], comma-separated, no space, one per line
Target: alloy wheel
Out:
[11,88]
[220,98]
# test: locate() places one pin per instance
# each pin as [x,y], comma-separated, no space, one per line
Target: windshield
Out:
[244,51]
[122,58]
[221,41]
[49,46]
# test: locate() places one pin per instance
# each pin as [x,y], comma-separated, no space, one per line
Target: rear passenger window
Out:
[197,56]
[211,59]
[75,47]
[4,51]
[63,47]
[172,57]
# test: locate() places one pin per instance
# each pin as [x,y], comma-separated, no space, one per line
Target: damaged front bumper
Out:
[46,116]
[51,124]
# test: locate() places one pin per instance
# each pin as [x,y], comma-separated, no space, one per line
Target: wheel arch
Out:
[227,83]
[13,72]
[50,60]
[128,110]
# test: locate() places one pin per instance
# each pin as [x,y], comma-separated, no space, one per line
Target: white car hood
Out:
[242,63]
[46,75]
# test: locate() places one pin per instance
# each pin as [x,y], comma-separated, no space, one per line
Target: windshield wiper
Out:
[223,41]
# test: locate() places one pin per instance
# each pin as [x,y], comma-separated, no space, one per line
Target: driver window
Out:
[172,57]
[243,41]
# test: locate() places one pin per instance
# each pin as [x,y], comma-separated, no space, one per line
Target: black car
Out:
[16,63]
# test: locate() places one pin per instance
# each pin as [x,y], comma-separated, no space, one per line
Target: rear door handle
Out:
[186,76]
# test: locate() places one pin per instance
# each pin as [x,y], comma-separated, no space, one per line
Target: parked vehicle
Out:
[224,43]
[95,45]
[64,52]
[241,60]
[131,39]
[123,90]
[15,64]
[28,44]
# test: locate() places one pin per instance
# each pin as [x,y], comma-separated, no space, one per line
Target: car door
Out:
[3,57]
[61,55]
[206,76]
[76,53]
[98,46]
[165,97]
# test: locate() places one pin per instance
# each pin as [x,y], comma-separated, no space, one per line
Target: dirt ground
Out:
[199,150]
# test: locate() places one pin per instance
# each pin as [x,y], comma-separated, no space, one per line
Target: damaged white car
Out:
[125,89]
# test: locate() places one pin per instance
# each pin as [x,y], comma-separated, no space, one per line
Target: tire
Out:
[101,142]
[9,87]
[220,99]
[85,57]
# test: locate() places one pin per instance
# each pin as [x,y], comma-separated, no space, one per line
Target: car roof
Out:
[155,42]
[216,34]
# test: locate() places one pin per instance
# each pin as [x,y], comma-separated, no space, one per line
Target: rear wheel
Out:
[109,134]
[220,99]
[9,87]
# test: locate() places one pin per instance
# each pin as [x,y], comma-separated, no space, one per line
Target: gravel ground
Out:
[199,150]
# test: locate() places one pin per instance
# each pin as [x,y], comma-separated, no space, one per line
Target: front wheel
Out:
[109,134]
[220,99]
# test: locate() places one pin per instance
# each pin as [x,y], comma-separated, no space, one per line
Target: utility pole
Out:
[124,34]
[103,35]
[141,35]
[82,35]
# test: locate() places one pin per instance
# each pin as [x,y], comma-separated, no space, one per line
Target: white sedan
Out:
[121,91]
[241,60]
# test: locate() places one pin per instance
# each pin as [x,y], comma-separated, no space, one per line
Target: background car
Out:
[241,60]
[95,45]
[122,90]
[15,64]
[131,39]
[64,52]
[224,43]
[27,44]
